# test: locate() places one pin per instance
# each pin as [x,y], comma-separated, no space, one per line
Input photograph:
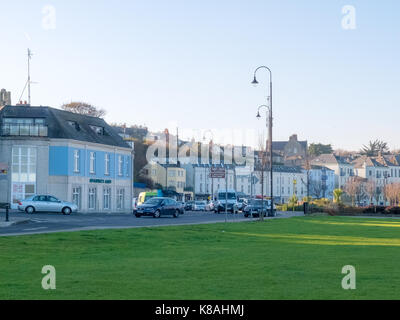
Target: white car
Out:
[45,203]
[199,206]
[210,206]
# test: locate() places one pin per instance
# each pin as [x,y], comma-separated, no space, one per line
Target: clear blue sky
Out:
[191,62]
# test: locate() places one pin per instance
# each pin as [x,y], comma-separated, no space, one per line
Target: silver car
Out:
[46,204]
[200,206]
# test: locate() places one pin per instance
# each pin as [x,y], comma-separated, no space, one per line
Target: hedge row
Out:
[334,209]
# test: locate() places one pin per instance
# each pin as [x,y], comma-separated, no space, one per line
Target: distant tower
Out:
[5,98]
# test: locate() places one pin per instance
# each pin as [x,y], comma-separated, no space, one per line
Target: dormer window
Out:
[98,130]
[74,124]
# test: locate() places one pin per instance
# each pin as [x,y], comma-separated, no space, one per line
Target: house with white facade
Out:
[243,179]
[288,181]
[198,179]
[381,170]
[343,169]
[321,182]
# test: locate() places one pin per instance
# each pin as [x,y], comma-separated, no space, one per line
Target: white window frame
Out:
[120,166]
[120,199]
[92,162]
[77,192]
[92,192]
[76,161]
[107,164]
[107,198]
[20,178]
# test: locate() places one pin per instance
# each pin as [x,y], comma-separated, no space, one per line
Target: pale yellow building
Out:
[169,175]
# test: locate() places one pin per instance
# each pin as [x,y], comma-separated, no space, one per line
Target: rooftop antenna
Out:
[29,76]
[28,82]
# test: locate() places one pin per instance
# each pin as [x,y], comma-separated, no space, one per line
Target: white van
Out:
[221,201]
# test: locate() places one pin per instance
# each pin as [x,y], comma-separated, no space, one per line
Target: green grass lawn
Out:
[298,258]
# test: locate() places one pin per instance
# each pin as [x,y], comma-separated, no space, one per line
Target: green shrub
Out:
[392,210]
[322,202]
[374,209]
[353,210]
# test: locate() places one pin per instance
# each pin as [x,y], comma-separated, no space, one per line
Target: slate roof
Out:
[392,160]
[316,167]
[369,161]
[286,169]
[329,158]
[59,128]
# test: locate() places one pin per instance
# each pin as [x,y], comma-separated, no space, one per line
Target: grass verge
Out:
[297,258]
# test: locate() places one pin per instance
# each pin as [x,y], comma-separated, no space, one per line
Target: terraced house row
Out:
[381,170]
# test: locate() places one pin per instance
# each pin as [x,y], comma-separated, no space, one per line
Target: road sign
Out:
[217,173]
[255,180]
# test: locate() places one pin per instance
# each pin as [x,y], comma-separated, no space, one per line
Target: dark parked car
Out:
[181,207]
[189,205]
[157,207]
[256,206]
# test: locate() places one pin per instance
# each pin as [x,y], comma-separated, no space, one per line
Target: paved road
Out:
[52,222]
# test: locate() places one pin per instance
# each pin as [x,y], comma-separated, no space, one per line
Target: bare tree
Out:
[378,193]
[370,190]
[316,188]
[261,166]
[84,108]
[392,192]
[353,189]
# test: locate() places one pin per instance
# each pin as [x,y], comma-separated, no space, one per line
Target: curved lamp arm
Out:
[255,74]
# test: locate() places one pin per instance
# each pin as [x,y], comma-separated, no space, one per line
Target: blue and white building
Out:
[70,156]
[321,182]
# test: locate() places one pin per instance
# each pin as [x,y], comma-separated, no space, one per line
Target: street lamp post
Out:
[255,82]
[268,119]
[209,163]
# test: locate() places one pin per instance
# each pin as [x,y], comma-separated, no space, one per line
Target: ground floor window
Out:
[92,198]
[107,198]
[23,173]
[120,199]
[21,191]
[76,196]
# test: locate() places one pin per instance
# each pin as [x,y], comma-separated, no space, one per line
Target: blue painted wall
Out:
[61,163]
[58,161]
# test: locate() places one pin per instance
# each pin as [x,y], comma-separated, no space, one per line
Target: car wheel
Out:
[137,215]
[157,214]
[66,211]
[246,215]
[30,210]
[176,214]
